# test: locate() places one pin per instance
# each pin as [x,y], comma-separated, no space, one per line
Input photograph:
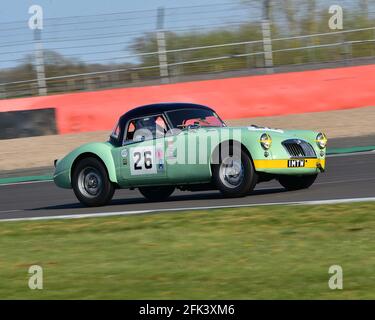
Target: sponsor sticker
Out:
[124,153]
[160,157]
[124,156]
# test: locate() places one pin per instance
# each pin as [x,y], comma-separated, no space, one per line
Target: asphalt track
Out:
[346,177]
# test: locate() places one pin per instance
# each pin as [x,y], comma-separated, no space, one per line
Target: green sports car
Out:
[160,147]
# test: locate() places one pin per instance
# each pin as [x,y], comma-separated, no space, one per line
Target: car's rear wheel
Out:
[91,184]
[234,176]
[156,193]
[297,182]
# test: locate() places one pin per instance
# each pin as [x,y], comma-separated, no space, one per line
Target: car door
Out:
[141,159]
[186,159]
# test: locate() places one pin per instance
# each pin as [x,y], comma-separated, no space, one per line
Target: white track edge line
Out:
[136,212]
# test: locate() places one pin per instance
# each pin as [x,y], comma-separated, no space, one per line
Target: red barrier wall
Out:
[244,97]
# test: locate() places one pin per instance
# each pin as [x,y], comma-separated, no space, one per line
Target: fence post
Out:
[39,62]
[266,33]
[71,84]
[364,8]
[160,38]
[89,83]
[3,94]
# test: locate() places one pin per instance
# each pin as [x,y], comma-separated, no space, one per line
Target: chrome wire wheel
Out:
[234,176]
[90,182]
[231,172]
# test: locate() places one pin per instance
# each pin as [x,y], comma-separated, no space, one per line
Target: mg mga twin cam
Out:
[158,148]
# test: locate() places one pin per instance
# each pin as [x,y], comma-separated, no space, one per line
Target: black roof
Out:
[150,109]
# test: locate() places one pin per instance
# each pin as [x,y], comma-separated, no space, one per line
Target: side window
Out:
[130,131]
[146,128]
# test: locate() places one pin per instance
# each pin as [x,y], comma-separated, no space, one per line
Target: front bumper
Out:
[281,166]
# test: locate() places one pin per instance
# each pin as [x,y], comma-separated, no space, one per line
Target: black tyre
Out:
[91,184]
[297,182]
[156,193]
[234,176]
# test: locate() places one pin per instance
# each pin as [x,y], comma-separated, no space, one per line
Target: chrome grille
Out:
[299,148]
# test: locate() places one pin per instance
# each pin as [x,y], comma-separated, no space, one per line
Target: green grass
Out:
[248,253]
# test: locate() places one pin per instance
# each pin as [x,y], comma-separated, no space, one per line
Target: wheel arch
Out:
[230,142]
[109,167]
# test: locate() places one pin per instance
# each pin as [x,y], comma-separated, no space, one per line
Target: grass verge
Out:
[260,252]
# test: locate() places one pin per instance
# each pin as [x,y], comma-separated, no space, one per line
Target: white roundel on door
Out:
[124,153]
[142,160]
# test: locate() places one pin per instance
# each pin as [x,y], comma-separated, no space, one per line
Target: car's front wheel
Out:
[297,182]
[156,193]
[91,184]
[234,176]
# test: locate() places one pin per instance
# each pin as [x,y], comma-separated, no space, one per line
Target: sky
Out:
[15,10]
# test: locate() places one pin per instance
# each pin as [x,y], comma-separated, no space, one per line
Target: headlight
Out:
[265,141]
[321,140]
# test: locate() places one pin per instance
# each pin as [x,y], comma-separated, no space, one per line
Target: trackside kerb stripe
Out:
[350,150]
[14,180]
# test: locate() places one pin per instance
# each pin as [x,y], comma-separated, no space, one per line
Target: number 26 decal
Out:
[147,155]
[142,160]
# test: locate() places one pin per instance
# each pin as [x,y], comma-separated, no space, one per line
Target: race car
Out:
[160,147]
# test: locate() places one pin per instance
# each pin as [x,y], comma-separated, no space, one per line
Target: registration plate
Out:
[296,163]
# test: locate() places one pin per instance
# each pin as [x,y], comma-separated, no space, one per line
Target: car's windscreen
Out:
[194,117]
[116,131]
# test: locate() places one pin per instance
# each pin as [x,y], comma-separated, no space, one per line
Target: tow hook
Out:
[319,166]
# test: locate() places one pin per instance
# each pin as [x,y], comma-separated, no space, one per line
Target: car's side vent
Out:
[299,149]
